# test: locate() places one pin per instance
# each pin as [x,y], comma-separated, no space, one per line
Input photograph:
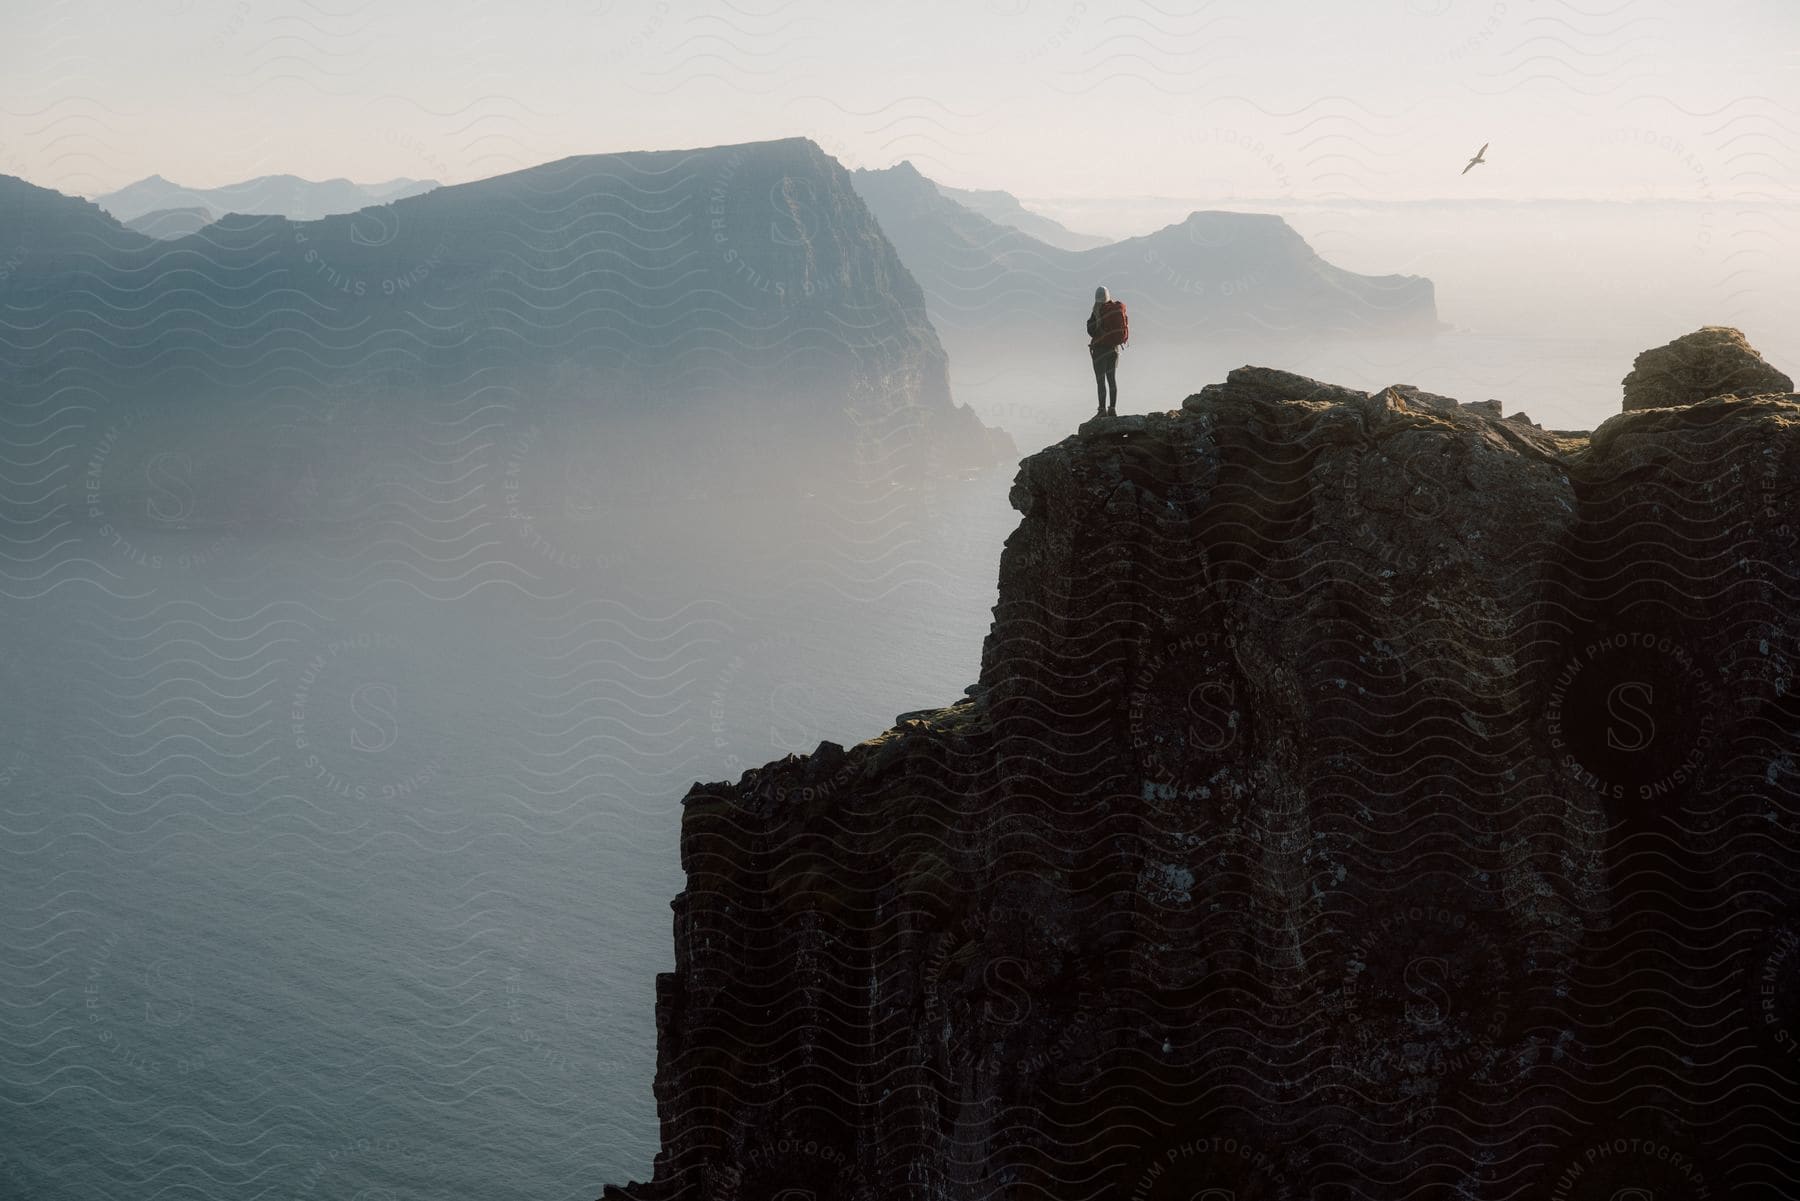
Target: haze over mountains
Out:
[1003,208]
[278,195]
[652,328]
[678,322]
[1217,272]
[173,223]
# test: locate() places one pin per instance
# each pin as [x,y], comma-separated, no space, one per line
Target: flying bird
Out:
[1477,158]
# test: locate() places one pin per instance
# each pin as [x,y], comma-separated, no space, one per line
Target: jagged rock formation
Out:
[1362,796]
[731,316]
[1715,360]
[1215,273]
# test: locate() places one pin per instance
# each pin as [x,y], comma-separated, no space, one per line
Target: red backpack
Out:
[1114,327]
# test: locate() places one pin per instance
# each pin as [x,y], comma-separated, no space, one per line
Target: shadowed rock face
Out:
[1360,793]
[1715,360]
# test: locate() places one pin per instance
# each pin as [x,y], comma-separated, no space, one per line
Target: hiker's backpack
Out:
[1124,322]
[1110,334]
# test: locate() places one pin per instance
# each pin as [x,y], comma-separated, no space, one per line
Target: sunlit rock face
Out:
[1359,792]
[1715,360]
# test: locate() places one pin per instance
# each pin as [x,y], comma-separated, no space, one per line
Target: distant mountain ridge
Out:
[1004,208]
[279,195]
[691,320]
[1217,272]
[173,223]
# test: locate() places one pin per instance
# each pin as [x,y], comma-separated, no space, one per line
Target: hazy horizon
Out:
[1615,103]
[1714,260]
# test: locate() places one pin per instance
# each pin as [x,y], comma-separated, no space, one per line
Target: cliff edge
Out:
[1363,795]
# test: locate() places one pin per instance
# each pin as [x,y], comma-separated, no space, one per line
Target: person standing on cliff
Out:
[1108,331]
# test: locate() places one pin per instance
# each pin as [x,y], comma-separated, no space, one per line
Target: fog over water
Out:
[331,871]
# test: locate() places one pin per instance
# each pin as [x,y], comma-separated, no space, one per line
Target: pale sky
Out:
[1278,99]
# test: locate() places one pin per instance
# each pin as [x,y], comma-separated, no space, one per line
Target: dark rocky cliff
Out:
[1363,795]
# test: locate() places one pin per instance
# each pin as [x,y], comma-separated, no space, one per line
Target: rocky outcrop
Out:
[1714,360]
[1361,795]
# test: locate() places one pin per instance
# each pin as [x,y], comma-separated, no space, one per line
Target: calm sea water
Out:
[338,861]
[338,864]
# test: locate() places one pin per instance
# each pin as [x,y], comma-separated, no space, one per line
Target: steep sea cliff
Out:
[1362,795]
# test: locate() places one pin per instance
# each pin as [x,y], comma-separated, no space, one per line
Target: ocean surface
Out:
[338,859]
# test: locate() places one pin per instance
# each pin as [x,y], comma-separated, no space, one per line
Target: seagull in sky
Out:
[1477,158]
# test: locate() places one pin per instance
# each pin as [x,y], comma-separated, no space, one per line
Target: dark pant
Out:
[1106,377]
